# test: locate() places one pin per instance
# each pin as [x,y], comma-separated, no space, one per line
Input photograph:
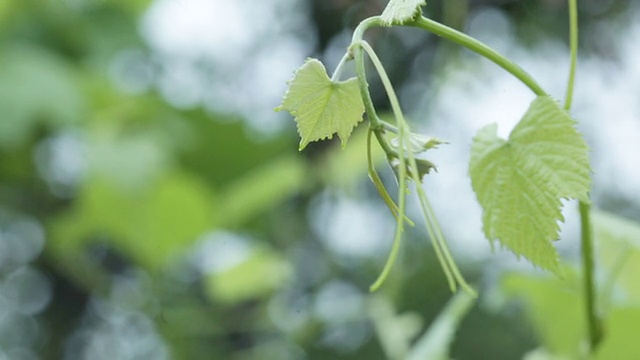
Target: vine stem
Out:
[480,48]
[377,182]
[443,254]
[588,267]
[377,127]
[356,51]
[340,67]
[402,184]
[573,44]
[586,232]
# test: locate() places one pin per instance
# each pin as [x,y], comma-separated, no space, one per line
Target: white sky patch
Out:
[231,57]
[219,251]
[352,227]
[194,28]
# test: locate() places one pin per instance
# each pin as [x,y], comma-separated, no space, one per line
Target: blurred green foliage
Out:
[179,233]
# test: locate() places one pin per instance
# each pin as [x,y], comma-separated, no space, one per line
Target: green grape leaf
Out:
[321,106]
[401,11]
[520,182]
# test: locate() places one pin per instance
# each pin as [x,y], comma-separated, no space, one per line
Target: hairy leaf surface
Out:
[520,181]
[400,11]
[322,107]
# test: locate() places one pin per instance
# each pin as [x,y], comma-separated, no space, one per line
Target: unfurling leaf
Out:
[322,107]
[424,167]
[418,143]
[520,181]
[401,11]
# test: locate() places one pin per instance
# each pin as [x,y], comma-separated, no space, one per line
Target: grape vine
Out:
[519,181]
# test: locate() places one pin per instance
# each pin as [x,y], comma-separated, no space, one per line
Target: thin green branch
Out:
[402,196]
[440,246]
[388,127]
[377,182]
[480,48]
[586,233]
[430,214]
[358,34]
[402,183]
[573,44]
[355,52]
[386,82]
[593,323]
[336,74]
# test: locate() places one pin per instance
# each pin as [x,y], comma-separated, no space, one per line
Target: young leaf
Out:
[423,166]
[519,182]
[418,143]
[322,107]
[400,11]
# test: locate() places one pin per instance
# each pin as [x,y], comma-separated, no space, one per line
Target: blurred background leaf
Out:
[154,206]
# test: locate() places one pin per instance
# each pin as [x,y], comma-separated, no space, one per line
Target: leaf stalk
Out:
[480,48]
[594,323]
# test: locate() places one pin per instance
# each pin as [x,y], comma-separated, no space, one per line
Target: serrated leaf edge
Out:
[557,194]
[303,144]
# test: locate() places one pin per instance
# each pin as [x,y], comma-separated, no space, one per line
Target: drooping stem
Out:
[480,48]
[573,44]
[439,239]
[395,106]
[358,34]
[377,125]
[441,249]
[402,173]
[386,82]
[593,323]
[402,196]
[377,182]
[336,74]
[586,233]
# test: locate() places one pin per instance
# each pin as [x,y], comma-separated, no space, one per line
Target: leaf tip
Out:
[401,11]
